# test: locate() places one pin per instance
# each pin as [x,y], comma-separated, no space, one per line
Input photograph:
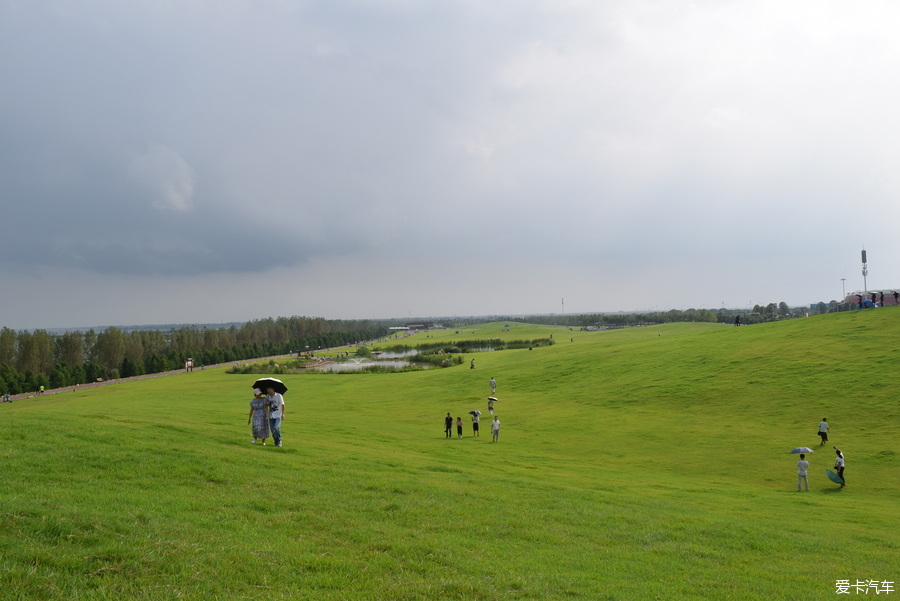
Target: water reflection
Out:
[395,354]
[358,365]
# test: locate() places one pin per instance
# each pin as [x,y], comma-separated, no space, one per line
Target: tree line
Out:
[759,314]
[31,359]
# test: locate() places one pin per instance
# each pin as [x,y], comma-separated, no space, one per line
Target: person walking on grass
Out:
[493,384]
[823,430]
[259,415]
[448,426]
[475,420]
[495,428]
[491,406]
[802,467]
[839,465]
[459,427]
[276,414]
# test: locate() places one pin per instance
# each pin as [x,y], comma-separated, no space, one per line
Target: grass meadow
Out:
[648,463]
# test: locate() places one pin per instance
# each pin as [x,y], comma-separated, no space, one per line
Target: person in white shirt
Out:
[495,428]
[276,413]
[802,467]
[823,430]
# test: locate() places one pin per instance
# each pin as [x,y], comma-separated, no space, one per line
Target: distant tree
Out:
[70,348]
[41,380]
[90,345]
[15,383]
[134,349]
[7,347]
[129,368]
[156,364]
[25,356]
[92,372]
[211,339]
[110,348]
[29,382]
[783,309]
[821,308]
[78,376]
[35,351]
[61,376]
[704,315]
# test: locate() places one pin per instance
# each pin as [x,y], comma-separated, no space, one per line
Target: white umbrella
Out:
[802,450]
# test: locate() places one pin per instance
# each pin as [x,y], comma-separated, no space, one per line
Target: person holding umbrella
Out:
[475,419]
[274,389]
[276,413]
[839,466]
[259,414]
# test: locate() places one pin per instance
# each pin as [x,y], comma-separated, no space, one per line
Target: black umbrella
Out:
[264,383]
[475,412]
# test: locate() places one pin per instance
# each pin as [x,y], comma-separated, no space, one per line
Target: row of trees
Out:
[760,313]
[620,319]
[30,359]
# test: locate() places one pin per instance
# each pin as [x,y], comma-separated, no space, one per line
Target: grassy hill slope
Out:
[633,464]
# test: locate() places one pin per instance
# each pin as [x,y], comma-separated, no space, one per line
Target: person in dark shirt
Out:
[448,426]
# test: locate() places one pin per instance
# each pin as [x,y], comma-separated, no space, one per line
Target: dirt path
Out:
[31,395]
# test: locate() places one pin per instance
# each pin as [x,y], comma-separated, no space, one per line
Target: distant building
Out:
[420,325]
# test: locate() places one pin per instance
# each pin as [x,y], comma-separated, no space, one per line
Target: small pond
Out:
[396,354]
[359,365]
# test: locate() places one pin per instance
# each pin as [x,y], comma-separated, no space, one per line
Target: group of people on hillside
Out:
[803,464]
[266,413]
[476,420]
[872,303]
[448,427]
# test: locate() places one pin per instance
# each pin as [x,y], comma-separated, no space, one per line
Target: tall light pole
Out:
[843,292]
[865,272]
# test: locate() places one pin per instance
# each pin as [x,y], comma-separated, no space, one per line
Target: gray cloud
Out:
[172,140]
[167,175]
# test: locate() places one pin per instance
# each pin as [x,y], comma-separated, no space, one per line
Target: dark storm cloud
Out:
[313,126]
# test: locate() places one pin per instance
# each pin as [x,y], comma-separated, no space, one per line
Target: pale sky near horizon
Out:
[203,162]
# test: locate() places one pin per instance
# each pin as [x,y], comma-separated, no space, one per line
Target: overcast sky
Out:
[198,161]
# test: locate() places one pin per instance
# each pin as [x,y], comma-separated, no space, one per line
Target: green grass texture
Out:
[645,463]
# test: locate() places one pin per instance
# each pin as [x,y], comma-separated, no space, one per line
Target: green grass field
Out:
[632,464]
